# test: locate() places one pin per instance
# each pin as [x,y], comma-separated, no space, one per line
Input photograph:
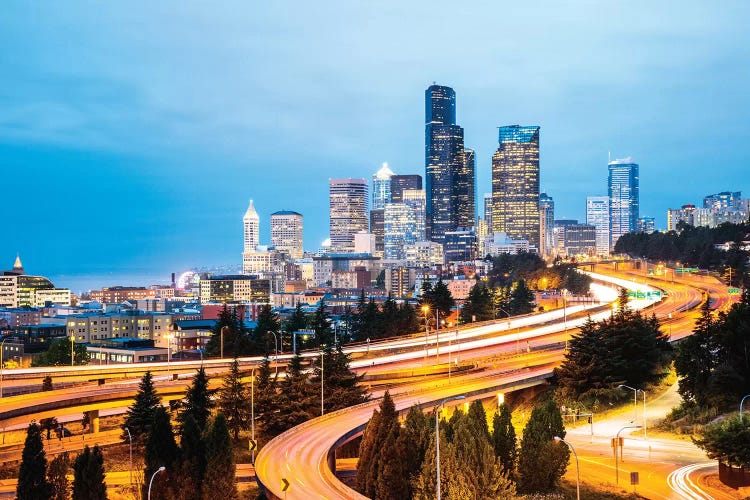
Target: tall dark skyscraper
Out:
[399,183]
[623,198]
[444,162]
[515,184]
[465,191]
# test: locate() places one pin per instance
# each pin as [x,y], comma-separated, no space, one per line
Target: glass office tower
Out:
[623,198]
[546,224]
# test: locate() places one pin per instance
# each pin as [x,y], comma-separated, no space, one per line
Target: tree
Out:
[695,360]
[48,425]
[267,322]
[161,451]
[88,475]
[198,403]
[295,322]
[57,476]
[371,463]
[140,414]
[265,393]
[234,401]
[47,384]
[192,468]
[413,441]
[220,467]
[442,298]
[297,401]
[541,461]
[236,341]
[58,354]
[341,387]
[521,299]
[504,439]
[727,441]
[478,306]
[32,473]
[320,323]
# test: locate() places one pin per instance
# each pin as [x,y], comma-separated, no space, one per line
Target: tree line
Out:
[398,461]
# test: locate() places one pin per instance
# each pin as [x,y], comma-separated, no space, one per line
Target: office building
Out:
[465,191]
[251,224]
[500,243]
[546,224]
[424,254]
[348,212]
[724,201]
[460,246]
[404,223]
[18,289]
[286,233]
[646,225]
[381,187]
[488,209]
[400,183]
[377,228]
[234,288]
[515,183]
[580,239]
[623,191]
[559,234]
[597,215]
[445,162]
[416,200]
[685,214]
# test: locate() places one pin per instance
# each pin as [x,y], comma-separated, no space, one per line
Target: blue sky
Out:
[133,134]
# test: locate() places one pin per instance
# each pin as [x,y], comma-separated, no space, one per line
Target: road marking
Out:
[680,482]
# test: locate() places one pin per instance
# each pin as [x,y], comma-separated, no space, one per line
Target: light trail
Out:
[681,483]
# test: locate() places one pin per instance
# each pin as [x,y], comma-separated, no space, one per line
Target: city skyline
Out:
[141,143]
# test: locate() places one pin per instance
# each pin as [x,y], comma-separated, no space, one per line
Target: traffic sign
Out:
[284,484]
[634,478]
[733,291]
[253,445]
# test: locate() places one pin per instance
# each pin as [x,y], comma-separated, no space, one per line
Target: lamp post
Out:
[437,437]
[276,348]
[2,362]
[169,352]
[741,402]
[322,370]
[130,439]
[437,339]
[425,310]
[617,443]
[578,470]
[72,346]
[252,410]
[565,309]
[635,401]
[221,345]
[160,469]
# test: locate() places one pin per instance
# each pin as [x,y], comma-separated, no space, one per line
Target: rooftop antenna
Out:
[609,156]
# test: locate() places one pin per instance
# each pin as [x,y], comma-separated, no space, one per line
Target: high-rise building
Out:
[348,212]
[460,246]
[685,214]
[488,209]
[415,199]
[381,187]
[546,224]
[580,239]
[646,225]
[465,191]
[623,198]
[723,201]
[377,228]
[404,224]
[445,161]
[251,223]
[286,233]
[515,183]
[399,183]
[597,215]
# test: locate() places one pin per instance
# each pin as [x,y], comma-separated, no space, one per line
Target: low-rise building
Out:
[235,288]
[126,350]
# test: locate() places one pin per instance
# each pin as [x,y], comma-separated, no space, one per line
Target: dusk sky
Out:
[133,134]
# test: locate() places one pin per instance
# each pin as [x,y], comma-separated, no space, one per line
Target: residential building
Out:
[399,281]
[515,183]
[424,254]
[546,224]
[400,183]
[499,243]
[684,214]
[460,288]
[597,215]
[348,212]
[234,288]
[623,191]
[286,233]
[118,294]
[724,201]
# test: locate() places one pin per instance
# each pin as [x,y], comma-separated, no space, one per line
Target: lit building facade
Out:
[546,224]
[488,209]
[401,183]
[445,161]
[646,225]
[685,214]
[460,246]
[624,198]
[381,187]
[251,225]
[348,212]
[597,215]
[234,288]
[286,233]
[465,191]
[515,183]
[377,228]
[424,254]
[580,239]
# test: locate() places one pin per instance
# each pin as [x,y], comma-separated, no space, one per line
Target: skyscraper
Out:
[404,223]
[488,210]
[465,191]
[251,223]
[597,215]
[445,161]
[348,212]
[401,182]
[623,198]
[515,183]
[286,233]
[546,224]
[381,187]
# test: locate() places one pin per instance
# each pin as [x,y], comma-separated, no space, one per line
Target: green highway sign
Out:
[733,291]
[641,295]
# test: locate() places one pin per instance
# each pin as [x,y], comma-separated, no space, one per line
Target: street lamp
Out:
[322,368]
[169,352]
[741,402]
[635,401]
[578,470]
[2,351]
[160,469]
[437,437]
[425,310]
[221,345]
[252,410]
[72,345]
[130,439]
[617,443]
[276,348]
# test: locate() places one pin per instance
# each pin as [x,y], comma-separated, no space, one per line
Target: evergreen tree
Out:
[297,401]
[478,306]
[727,441]
[88,475]
[267,322]
[198,403]
[371,460]
[341,387]
[161,450]
[476,418]
[192,467]
[32,473]
[140,414]
[389,318]
[541,461]
[695,360]
[504,439]
[57,476]
[320,323]
[442,298]
[47,384]
[392,482]
[521,299]
[295,322]
[236,341]
[412,443]
[48,425]
[234,401]
[220,468]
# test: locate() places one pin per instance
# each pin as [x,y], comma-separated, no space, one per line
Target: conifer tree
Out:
[267,322]
[392,482]
[219,478]
[371,462]
[161,450]
[234,401]
[198,403]
[47,384]
[88,476]
[295,322]
[297,401]
[413,440]
[192,467]
[442,298]
[140,414]
[32,473]
[341,387]
[57,476]
[320,323]
[504,439]
[521,299]
[541,462]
